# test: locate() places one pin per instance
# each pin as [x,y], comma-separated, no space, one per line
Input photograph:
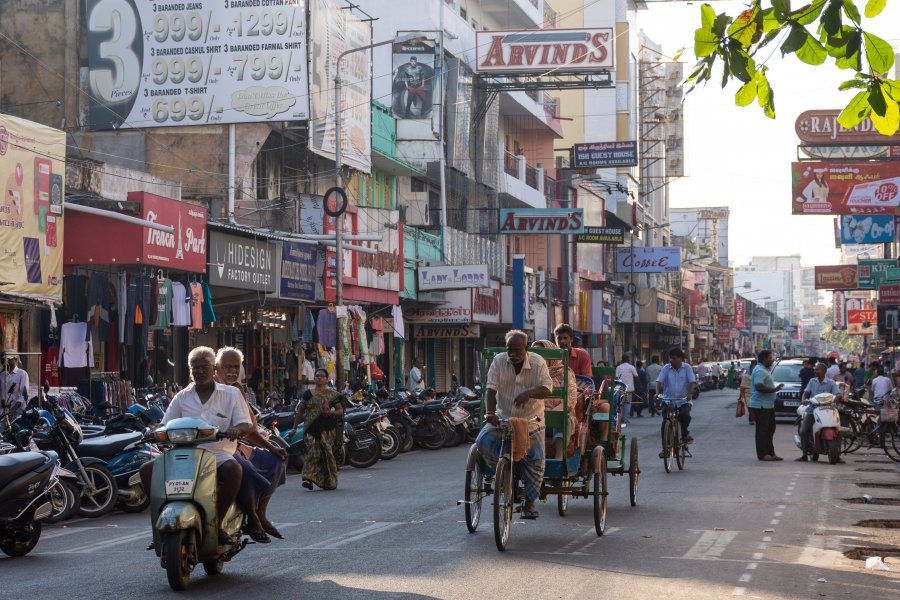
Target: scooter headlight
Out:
[182,436]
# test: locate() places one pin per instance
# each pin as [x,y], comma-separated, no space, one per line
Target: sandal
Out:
[307,484]
[271,530]
[258,535]
[529,513]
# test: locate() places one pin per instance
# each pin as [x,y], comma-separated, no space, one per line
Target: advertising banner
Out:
[333,29]
[648,259]
[839,188]
[451,277]
[384,269]
[154,64]
[867,229]
[821,127]
[856,320]
[541,220]
[32,171]
[835,277]
[605,154]
[760,325]
[838,311]
[185,248]
[889,295]
[460,90]
[456,309]
[486,303]
[601,235]
[414,80]
[873,272]
[243,263]
[298,271]
[560,50]
[740,311]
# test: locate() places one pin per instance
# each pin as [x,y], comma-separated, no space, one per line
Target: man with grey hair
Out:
[820,384]
[517,383]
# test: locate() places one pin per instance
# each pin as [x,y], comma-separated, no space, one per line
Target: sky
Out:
[737,157]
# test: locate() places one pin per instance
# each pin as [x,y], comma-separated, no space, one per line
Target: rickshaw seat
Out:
[553,467]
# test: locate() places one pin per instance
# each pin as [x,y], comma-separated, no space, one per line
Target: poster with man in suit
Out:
[414,80]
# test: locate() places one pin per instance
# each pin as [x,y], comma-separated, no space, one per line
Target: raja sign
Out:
[889,294]
[856,320]
[821,127]
[873,272]
[835,277]
[462,331]
[648,259]
[453,277]
[185,248]
[837,188]
[867,229]
[541,220]
[601,235]
[606,154]
[556,50]
[243,263]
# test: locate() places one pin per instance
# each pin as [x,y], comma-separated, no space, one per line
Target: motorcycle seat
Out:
[357,416]
[107,446]
[15,465]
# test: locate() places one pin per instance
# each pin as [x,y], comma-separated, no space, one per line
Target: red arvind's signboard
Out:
[518,221]
[821,127]
[843,188]
[556,50]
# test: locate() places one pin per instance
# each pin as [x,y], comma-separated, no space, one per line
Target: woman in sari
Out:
[557,373]
[321,409]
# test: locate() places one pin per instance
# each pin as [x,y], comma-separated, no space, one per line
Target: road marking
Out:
[104,544]
[738,591]
[757,556]
[711,545]
[778,514]
[61,532]
[752,566]
[353,536]
[782,506]
[746,577]
[767,539]
[788,494]
[774,522]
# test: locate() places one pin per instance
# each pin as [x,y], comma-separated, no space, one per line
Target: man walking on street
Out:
[13,386]
[416,381]
[652,375]
[762,401]
[627,374]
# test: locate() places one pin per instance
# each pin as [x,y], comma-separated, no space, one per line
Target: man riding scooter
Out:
[820,384]
[219,405]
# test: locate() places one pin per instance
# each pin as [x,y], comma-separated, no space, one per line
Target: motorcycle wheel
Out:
[363,458]
[103,498]
[449,436]
[390,444]
[137,500]
[436,440]
[60,501]
[406,436]
[17,544]
[178,551]
[74,500]
[213,567]
[834,451]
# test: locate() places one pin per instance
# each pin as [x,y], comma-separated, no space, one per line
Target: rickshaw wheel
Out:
[600,498]
[503,503]
[562,500]
[474,495]
[634,472]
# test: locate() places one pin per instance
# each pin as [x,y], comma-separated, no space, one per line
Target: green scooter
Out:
[183,504]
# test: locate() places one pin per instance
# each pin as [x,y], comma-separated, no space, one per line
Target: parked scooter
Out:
[124,454]
[26,479]
[183,504]
[826,436]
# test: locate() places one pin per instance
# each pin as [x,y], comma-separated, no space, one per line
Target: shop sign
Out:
[704,328]
[486,304]
[153,64]
[760,325]
[856,319]
[183,249]
[384,269]
[873,272]
[723,336]
[243,263]
[457,308]
[888,322]
[839,311]
[520,221]
[850,152]
[450,277]
[649,259]
[867,229]
[889,294]
[32,171]
[740,311]
[893,274]
[604,154]
[462,331]
[554,50]
[821,127]
[298,271]
[601,235]
[840,188]
[835,277]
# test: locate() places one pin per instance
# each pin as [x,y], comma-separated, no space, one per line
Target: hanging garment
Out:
[153,305]
[122,302]
[326,327]
[399,327]
[75,295]
[181,306]
[346,348]
[98,303]
[376,347]
[75,351]
[307,336]
[164,305]
[196,306]
[209,315]
[50,366]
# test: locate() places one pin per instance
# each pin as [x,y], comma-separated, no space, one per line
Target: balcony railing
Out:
[550,188]
[531,177]
[511,165]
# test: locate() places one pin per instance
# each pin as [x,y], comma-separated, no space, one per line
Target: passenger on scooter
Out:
[820,384]
[262,463]
[219,405]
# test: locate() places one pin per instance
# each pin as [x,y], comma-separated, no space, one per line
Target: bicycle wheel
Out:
[634,472]
[600,495]
[562,501]
[680,450]
[669,447]
[503,503]
[850,439]
[890,441]
[474,495]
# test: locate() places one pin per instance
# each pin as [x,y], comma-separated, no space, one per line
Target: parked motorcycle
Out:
[124,455]
[183,504]
[26,479]
[363,441]
[826,437]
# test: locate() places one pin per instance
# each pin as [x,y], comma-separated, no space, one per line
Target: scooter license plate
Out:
[179,486]
[786,403]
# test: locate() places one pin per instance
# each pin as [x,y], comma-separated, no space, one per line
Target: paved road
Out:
[728,525]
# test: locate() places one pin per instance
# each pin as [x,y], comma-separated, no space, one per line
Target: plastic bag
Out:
[740,410]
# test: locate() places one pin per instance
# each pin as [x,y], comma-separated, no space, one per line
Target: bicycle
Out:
[674,448]
[864,426]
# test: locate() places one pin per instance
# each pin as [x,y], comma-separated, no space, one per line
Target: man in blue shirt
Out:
[762,400]
[820,384]
[676,384]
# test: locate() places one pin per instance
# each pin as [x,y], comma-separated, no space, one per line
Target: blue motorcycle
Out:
[124,454]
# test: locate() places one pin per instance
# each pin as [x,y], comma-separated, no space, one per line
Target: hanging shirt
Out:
[74,350]
[181,306]
[164,305]
[196,306]
[209,315]
[326,326]
[399,328]
[122,302]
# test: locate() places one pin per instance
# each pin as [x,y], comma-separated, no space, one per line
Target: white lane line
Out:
[68,531]
[104,544]
[763,546]
[582,551]
[788,494]
[778,514]
[745,578]
[738,591]
[782,506]
[711,545]
[752,566]
[352,536]
[757,556]
[774,521]
[767,539]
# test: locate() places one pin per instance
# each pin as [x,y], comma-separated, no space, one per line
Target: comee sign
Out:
[649,259]
[453,277]
[562,50]
[541,220]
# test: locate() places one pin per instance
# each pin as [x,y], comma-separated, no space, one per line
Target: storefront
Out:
[441,352]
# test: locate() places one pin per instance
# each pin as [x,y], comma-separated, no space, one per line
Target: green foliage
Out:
[816,32]
[849,344]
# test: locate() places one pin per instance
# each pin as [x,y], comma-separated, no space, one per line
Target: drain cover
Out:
[887,486]
[880,523]
[862,553]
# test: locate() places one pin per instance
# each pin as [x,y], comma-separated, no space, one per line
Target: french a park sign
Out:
[519,221]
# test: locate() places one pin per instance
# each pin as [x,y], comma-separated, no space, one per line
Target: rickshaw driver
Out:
[517,383]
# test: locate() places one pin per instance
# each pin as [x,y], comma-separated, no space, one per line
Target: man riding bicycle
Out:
[676,384]
[517,383]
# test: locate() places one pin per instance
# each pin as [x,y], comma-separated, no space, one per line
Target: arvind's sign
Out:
[518,221]
[554,50]
[821,127]
[649,259]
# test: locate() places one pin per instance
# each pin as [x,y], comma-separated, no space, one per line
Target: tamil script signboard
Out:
[889,295]
[604,154]
[867,229]
[601,235]
[519,221]
[153,64]
[453,277]
[873,272]
[555,50]
[835,277]
[649,259]
[839,188]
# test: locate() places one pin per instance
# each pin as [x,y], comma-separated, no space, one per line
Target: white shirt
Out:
[16,401]
[832,372]
[881,386]
[416,381]
[503,379]
[225,408]
[181,306]
[74,351]
[626,374]
[307,371]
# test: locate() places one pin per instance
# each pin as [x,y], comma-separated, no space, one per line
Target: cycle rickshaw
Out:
[582,473]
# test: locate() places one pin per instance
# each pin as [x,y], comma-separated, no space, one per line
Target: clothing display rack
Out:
[108,386]
[70,399]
